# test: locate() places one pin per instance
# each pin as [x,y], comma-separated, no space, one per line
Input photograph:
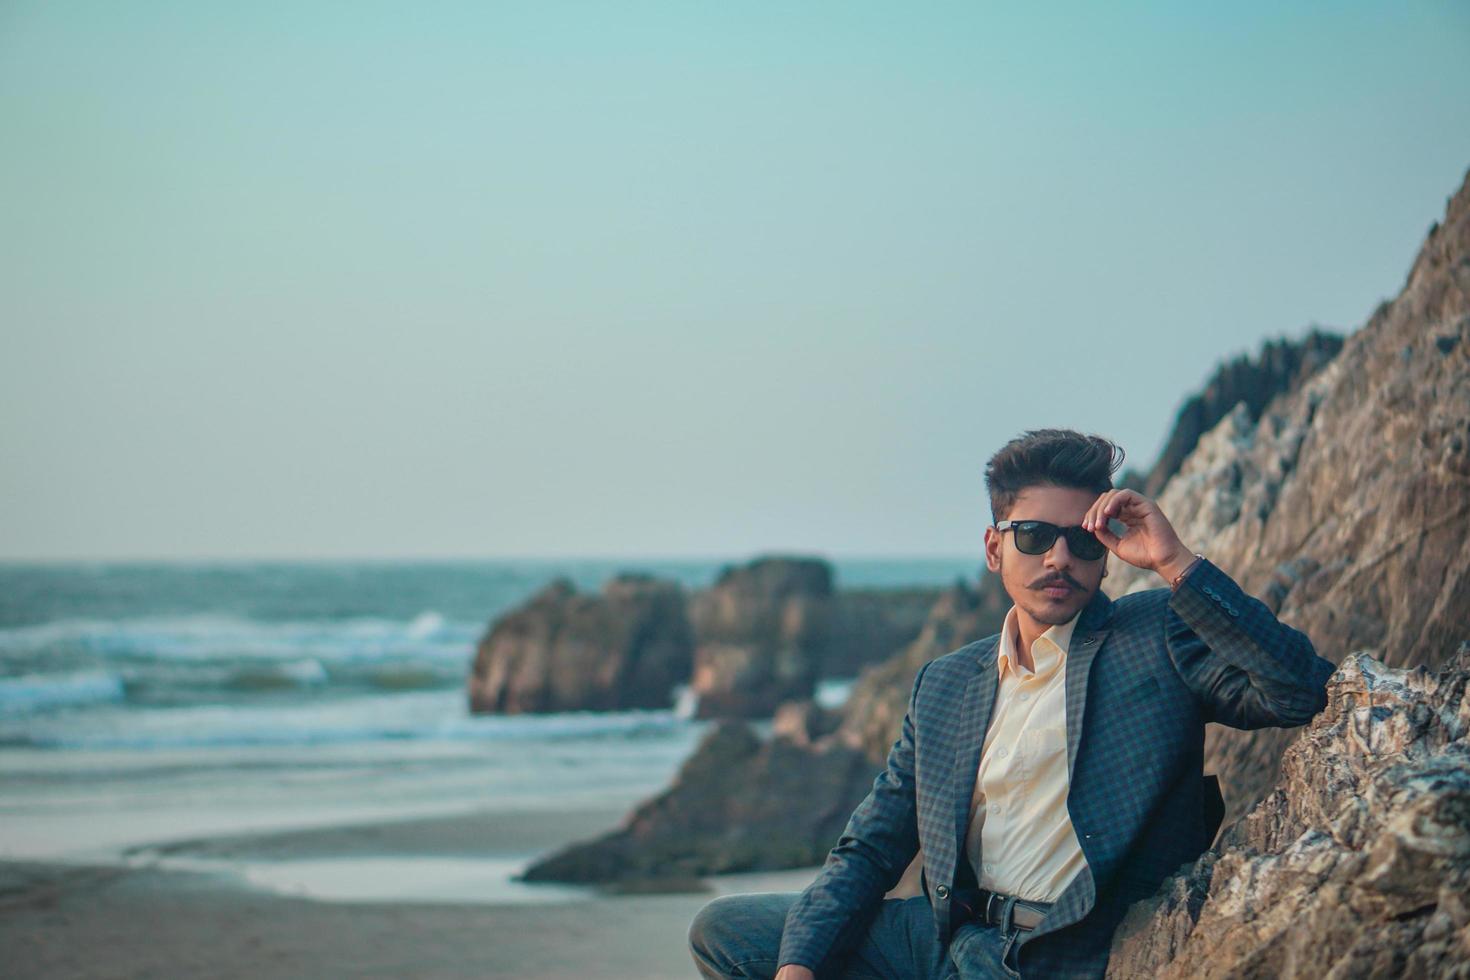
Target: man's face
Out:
[1049,588]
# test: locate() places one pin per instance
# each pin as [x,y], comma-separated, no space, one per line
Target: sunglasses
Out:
[1037,537]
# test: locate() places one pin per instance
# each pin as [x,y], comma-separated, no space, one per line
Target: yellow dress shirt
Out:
[1020,839]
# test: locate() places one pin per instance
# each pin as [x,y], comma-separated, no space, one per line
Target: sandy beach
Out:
[151,916]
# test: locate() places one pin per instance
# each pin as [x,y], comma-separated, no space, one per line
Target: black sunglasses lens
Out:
[1084,544]
[1035,537]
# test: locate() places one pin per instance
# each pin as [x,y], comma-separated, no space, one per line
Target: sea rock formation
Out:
[762,629]
[1346,504]
[764,633]
[744,803]
[627,647]
[1356,865]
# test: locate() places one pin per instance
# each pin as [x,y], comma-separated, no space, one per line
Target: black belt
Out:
[992,908]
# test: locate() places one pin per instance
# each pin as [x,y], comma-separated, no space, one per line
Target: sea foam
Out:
[38,692]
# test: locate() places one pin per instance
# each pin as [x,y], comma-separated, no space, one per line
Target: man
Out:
[1051,775]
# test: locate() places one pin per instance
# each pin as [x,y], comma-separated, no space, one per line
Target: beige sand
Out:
[66,921]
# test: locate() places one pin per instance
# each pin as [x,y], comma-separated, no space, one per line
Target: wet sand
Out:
[469,834]
[146,919]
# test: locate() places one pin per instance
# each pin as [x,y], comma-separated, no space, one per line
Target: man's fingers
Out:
[1107,537]
[1128,506]
[1121,502]
[1108,505]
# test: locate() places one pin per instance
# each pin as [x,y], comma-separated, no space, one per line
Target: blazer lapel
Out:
[974,720]
[1087,640]
[1078,898]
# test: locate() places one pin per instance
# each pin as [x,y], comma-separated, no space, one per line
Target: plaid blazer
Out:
[1144,675]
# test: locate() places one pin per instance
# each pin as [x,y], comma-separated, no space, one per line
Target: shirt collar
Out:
[1048,652]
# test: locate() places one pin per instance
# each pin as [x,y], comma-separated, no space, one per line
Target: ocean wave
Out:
[207,637]
[285,675]
[418,715]
[426,624]
[175,661]
[30,693]
[231,683]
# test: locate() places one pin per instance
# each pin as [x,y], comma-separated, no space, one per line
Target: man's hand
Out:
[1149,541]
[793,972]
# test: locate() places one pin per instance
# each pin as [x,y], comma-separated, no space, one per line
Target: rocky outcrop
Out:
[738,804]
[763,634]
[1356,865]
[1346,504]
[871,625]
[742,803]
[1249,382]
[762,630]
[626,647]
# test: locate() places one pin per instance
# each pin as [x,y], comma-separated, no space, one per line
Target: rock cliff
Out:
[1346,503]
[1253,382]
[625,648]
[1356,865]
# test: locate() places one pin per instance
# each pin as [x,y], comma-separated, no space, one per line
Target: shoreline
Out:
[154,913]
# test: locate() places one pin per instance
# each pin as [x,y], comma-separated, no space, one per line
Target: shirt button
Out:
[1025,697]
[942,891]
[989,867]
[1000,753]
[997,808]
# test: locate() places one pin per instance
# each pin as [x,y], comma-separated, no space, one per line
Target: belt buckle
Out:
[990,897]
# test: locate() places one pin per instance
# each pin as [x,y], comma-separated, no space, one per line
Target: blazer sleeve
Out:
[880,840]
[1248,669]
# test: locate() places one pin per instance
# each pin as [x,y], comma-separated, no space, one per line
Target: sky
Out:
[472,280]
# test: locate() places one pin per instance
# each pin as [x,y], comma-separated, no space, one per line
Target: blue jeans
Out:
[739,936]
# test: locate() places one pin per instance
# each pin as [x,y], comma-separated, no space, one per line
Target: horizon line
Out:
[977,555]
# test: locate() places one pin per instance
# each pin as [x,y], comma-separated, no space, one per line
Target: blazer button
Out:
[942,891]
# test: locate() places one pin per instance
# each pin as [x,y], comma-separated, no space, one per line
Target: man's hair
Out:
[1053,458]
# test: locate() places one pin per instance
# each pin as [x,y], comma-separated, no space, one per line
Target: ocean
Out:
[146,704]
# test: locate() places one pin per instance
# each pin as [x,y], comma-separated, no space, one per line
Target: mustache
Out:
[1059,579]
